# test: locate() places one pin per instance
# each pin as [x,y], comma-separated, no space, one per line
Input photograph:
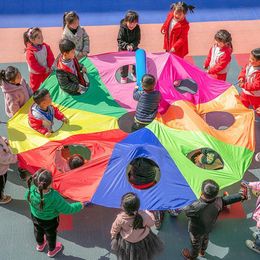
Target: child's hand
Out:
[162,31]
[65,120]
[129,47]
[48,134]
[172,50]
[176,83]
[241,82]
[84,70]
[205,68]
[136,87]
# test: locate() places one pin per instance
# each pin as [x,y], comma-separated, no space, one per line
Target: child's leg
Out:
[38,230]
[196,240]
[51,232]
[204,244]
[244,99]
[3,179]
[124,71]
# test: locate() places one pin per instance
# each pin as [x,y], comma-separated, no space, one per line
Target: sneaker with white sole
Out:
[133,77]
[257,157]
[123,80]
[251,245]
[5,199]
[56,250]
[40,248]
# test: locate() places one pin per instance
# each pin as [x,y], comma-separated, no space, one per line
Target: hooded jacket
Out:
[256,215]
[15,96]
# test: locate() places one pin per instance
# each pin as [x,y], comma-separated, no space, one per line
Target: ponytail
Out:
[40,188]
[183,7]
[2,76]
[29,181]
[138,221]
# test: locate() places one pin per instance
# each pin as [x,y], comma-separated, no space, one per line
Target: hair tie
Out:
[30,32]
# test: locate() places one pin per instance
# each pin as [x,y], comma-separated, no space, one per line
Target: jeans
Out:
[48,228]
[3,179]
[199,243]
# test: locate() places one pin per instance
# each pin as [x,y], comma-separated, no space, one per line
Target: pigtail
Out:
[64,19]
[138,221]
[191,8]
[2,76]
[40,188]
[29,182]
[182,6]
[26,38]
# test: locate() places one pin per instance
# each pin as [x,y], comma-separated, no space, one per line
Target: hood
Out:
[9,87]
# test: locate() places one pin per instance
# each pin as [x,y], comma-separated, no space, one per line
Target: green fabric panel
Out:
[179,143]
[97,99]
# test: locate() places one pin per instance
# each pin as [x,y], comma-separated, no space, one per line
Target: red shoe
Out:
[40,248]
[186,254]
[56,250]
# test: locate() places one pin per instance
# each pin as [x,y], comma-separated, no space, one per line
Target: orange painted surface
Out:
[104,38]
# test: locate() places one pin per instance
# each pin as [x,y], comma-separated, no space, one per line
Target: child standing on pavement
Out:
[46,205]
[39,57]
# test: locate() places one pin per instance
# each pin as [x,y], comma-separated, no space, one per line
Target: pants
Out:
[124,70]
[3,179]
[219,76]
[199,243]
[248,101]
[136,126]
[47,228]
[36,80]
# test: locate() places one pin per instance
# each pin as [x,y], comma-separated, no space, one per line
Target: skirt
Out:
[145,249]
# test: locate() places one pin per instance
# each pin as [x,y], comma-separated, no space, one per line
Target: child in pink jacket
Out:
[15,89]
[255,245]
[6,158]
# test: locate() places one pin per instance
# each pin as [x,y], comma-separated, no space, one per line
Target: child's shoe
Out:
[133,77]
[251,245]
[5,199]
[56,250]
[186,253]
[257,157]
[202,253]
[40,248]
[123,80]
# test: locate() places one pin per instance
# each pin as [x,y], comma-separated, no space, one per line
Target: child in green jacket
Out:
[46,204]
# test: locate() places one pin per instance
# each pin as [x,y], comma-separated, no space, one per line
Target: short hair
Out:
[131,16]
[75,161]
[39,95]
[256,53]
[209,189]
[148,82]
[66,45]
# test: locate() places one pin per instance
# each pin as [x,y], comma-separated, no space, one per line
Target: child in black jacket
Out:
[128,39]
[69,72]
[203,214]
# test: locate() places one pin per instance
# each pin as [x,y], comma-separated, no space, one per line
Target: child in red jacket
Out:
[42,113]
[176,28]
[249,81]
[219,57]
[39,57]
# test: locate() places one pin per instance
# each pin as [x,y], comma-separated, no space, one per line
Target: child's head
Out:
[71,19]
[131,19]
[42,179]
[67,49]
[130,203]
[11,75]
[180,9]
[75,161]
[148,82]
[223,38]
[42,97]
[33,35]
[209,189]
[254,58]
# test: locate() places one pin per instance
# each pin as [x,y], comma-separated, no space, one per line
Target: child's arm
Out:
[137,94]
[121,40]
[116,227]
[59,115]
[183,38]
[169,17]
[65,83]
[231,199]
[37,125]
[6,157]
[50,56]
[255,85]
[14,104]
[85,41]
[33,63]
[221,64]
[208,59]
[150,219]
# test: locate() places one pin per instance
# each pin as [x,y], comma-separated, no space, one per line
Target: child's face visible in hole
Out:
[131,25]
[178,15]
[220,44]
[69,55]
[253,61]
[17,79]
[74,25]
[46,101]
[38,40]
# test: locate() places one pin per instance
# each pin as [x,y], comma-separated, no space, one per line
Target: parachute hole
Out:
[126,121]
[206,158]
[126,74]
[186,86]
[143,173]
[219,120]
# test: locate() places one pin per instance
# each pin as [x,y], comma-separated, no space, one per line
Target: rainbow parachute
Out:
[182,127]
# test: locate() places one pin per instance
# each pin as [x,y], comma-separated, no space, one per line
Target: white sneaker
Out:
[251,245]
[133,77]
[123,80]
[257,157]
[5,200]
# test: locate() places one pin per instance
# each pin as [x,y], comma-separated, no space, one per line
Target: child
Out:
[128,39]
[249,81]
[255,245]
[175,29]
[219,57]
[39,57]
[46,205]
[69,72]
[148,102]
[74,32]
[6,158]
[42,113]
[16,90]
[131,233]
[203,214]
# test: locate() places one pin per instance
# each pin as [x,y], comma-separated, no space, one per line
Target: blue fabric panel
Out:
[171,192]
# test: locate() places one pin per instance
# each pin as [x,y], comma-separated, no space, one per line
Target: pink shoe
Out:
[40,248]
[56,250]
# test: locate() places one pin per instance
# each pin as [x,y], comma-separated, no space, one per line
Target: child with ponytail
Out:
[131,233]
[46,205]
[175,29]
[39,57]
[15,89]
